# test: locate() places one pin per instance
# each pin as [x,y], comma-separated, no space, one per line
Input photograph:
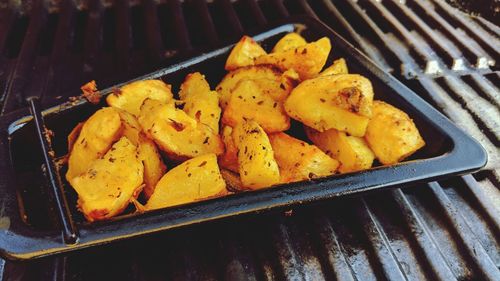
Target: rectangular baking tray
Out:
[28,223]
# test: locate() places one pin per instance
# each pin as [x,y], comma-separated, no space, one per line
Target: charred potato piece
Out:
[176,133]
[338,67]
[299,160]
[391,134]
[201,103]
[257,166]
[352,152]
[97,135]
[196,179]
[270,80]
[244,53]
[106,188]
[131,96]
[248,101]
[233,180]
[289,42]
[341,102]
[229,159]
[307,60]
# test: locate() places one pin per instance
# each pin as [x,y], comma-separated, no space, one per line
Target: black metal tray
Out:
[38,215]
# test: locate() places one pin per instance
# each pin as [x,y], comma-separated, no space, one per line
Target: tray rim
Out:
[24,245]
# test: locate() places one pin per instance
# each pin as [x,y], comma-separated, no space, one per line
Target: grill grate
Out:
[438,231]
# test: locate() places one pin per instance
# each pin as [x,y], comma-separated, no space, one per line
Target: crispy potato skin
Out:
[248,101]
[196,179]
[257,166]
[269,78]
[201,103]
[96,136]
[299,160]
[229,159]
[289,42]
[338,67]
[391,134]
[131,96]
[244,53]
[108,185]
[307,60]
[176,133]
[341,102]
[352,152]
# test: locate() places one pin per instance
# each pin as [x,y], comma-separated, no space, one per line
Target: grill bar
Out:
[67,225]
[20,75]
[475,250]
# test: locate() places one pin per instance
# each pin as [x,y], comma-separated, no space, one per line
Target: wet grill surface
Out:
[437,231]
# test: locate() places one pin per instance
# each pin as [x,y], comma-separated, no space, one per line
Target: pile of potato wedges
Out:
[234,137]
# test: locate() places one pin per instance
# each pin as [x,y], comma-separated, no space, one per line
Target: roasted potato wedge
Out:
[352,152]
[338,67]
[307,60]
[73,135]
[201,103]
[229,159]
[298,160]
[147,152]
[106,188]
[244,53]
[176,133]
[341,102]
[194,83]
[195,179]
[131,96]
[248,101]
[97,135]
[257,166]
[391,134]
[290,41]
[270,80]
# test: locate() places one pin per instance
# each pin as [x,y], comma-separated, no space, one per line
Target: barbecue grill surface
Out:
[439,231]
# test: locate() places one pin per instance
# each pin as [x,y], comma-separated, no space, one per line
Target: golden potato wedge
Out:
[352,152]
[338,67]
[341,102]
[248,101]
[107,186]
[257,166]
[270,80]
[307,60]
[97,135]
[298,160]
[288,42]
[73,135]
[194,83]
[201,103]
[147,152]
[244,53]
[176,133]
[131,96]
[229,159]
[196,179]
[154,168]
[391,134]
